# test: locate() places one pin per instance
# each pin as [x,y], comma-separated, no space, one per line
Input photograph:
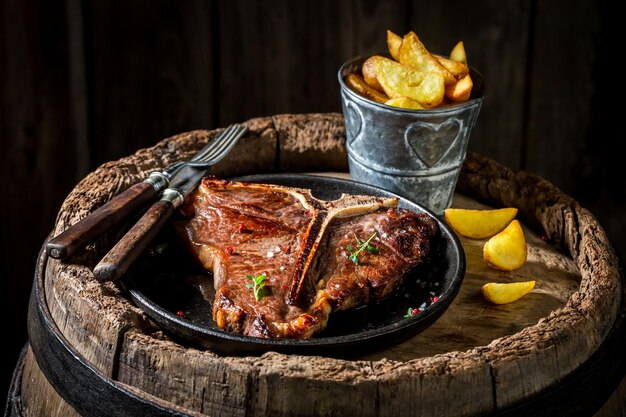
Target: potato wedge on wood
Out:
[405,103]
[458,69]
[479,224]
[458,53]
[461,90]
[359,86]
[507,250]
[393,44]
[403,81]
[369,73]
[413,53]
[504,293]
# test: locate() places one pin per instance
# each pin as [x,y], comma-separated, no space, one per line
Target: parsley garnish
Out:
[257,285]
[411,312]
[361,246]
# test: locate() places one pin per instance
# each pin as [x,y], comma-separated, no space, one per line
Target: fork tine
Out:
[217,153]
[214,143]
[240,132]
[219,146]
[215,147]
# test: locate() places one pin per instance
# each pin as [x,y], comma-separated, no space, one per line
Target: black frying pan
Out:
[165,282]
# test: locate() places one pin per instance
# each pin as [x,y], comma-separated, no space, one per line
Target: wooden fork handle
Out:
[111,214]
[116,263]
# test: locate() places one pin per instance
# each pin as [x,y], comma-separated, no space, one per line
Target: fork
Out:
[118,209]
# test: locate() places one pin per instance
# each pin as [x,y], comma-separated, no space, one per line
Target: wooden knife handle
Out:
[111,214]
[116,263]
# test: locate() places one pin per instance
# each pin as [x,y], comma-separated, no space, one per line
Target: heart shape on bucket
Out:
[431,141]
[354,122]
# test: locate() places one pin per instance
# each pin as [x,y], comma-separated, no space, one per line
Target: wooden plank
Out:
[561,90]
[151,72]
[283,57]
[38,397]
[41,139]
[495,35]
[573,123]
[372,19]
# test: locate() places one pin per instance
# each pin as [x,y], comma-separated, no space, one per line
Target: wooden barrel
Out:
[557,351]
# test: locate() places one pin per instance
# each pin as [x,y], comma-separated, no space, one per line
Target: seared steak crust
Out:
[402,241]
[299,243]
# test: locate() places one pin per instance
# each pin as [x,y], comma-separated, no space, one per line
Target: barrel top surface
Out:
[473,350]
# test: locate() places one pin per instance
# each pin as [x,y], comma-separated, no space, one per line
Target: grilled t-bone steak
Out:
[300,248]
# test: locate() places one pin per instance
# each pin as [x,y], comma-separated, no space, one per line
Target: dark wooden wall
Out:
[83,82]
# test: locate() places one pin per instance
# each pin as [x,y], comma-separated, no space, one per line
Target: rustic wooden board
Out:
[512,351]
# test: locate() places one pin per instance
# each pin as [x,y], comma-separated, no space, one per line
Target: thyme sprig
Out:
[361,246]
[257,285]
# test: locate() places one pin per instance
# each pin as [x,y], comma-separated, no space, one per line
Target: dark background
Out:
[83,82]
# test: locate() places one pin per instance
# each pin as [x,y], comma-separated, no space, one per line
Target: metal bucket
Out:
[415,153]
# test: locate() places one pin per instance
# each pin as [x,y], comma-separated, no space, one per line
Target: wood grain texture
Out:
[38,397]
[288,60]
[284,78]
[39,115]
[555,52]
[315,143]
[368,22]
[527,346]
[588,167]
[162,73]
[83,82]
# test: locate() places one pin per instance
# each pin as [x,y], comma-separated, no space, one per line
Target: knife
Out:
[118,260]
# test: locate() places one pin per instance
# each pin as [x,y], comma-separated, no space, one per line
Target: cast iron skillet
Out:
[168,286]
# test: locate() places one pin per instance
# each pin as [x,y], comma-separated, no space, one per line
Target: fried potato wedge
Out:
[414,78]
[461,90]
[359,86]
[458,53]
[403,81]
[414,54]
[458,69]
[507,250]
[393,44]
[479,224]
[504,293]
[369,73]
[405,103]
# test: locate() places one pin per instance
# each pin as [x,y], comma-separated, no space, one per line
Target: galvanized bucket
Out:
[415,153]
